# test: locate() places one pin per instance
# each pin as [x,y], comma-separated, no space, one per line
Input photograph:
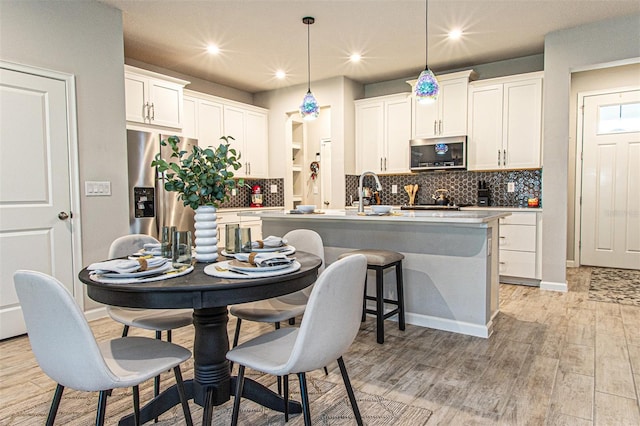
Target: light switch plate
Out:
[394,189]
[234,191]
[274,189]
[511,187]
[97,188]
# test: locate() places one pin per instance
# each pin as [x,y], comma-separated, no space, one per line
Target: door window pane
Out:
[619,118]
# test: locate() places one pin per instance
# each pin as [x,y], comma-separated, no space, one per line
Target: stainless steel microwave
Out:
[438,153]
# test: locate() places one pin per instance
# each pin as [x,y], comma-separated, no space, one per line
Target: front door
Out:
[35,231]
[610,224]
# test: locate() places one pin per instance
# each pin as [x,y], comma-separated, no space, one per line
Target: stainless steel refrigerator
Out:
[150,206]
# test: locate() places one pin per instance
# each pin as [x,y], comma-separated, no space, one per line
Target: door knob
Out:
[63,216]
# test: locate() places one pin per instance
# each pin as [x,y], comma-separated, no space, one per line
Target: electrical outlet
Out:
[394,189]
[274,189]
[234,191]
[511,187]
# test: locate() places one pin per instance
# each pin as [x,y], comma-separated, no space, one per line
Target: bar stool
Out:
[379,260]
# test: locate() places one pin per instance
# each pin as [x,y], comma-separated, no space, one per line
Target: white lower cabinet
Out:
[520,243]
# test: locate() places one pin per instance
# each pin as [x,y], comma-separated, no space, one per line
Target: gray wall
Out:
[84,39]
[567,51]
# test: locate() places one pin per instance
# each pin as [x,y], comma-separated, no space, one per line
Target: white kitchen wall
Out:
[84,39]
[575,49]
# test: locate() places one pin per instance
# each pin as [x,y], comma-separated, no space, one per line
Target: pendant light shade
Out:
[427,88]
[309,109]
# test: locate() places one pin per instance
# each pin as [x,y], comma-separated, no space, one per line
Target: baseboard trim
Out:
[572,264]
[554,286]
[453,326]
[97,313]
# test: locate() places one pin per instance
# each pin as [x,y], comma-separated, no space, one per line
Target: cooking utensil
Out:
[414,191]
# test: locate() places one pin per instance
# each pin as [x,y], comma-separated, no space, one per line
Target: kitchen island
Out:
[450,268]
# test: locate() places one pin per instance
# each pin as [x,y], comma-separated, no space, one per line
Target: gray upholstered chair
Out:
[289,306]
[158,320]
[329,326]
[67,351]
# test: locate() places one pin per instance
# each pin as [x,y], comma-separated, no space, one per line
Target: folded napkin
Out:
[153,248]
[126,266]
[263,260]
[269,242]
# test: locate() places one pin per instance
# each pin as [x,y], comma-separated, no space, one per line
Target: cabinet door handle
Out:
[435,127]
[440,127]
[381,169]
[145,111]
[385,164]
[498,157]
[504,157]
[153,111]
[249,167]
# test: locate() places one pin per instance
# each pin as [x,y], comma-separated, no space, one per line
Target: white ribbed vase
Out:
[206,234]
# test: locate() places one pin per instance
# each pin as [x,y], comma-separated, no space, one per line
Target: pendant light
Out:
[309,109]
[427,87]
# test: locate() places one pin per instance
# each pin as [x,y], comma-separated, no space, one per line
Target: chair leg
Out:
[125,331]
[352,397]
[169,336]
[326,372]
[136,405]
[236,335]
[285,385]
[183,396]
[55,404]
[304,396]
[277,324]
[364,300]
[400,292]
[279,380]
[102,408]
[236,400]
[380,305]
[292,321]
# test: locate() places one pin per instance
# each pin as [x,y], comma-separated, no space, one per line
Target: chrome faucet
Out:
[360,192]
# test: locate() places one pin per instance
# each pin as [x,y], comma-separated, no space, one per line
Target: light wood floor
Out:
[554,359]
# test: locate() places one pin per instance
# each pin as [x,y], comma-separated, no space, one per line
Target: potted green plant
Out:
[202,179]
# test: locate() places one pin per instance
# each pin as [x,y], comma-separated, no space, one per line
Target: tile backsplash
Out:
[462,186]
[243,197]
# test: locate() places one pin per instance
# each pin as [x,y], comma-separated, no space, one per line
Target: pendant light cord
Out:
[308,58]
[426,35]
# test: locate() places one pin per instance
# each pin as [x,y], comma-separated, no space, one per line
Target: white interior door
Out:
[34,186]
[610,224]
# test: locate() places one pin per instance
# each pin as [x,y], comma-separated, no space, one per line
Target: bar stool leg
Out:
[380,305]
[400,293]
[364,300]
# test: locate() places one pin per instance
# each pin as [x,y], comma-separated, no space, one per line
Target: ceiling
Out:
[258,37]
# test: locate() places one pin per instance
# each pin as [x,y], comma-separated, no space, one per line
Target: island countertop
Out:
[415,217]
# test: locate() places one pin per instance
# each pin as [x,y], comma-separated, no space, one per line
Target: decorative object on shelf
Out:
[256,196]
[202,179]
[427,87]
[315,168]
[309,109]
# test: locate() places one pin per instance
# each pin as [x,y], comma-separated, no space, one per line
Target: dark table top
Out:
[198,290]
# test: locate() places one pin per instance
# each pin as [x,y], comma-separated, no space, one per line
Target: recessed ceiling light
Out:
[280,74]
[213,49]
[455,34]
[355,57]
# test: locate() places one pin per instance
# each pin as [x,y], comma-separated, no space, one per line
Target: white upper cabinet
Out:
[153,99]
[383,130]
[505,123]
[208,118]
[447,116]
[249,129]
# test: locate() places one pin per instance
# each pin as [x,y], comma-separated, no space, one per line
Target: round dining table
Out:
[209,297]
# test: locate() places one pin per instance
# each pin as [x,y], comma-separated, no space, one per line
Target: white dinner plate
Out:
[247,267]
[162,268]
[255,273]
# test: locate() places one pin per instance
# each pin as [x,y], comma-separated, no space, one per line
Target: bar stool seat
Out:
[379,261]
